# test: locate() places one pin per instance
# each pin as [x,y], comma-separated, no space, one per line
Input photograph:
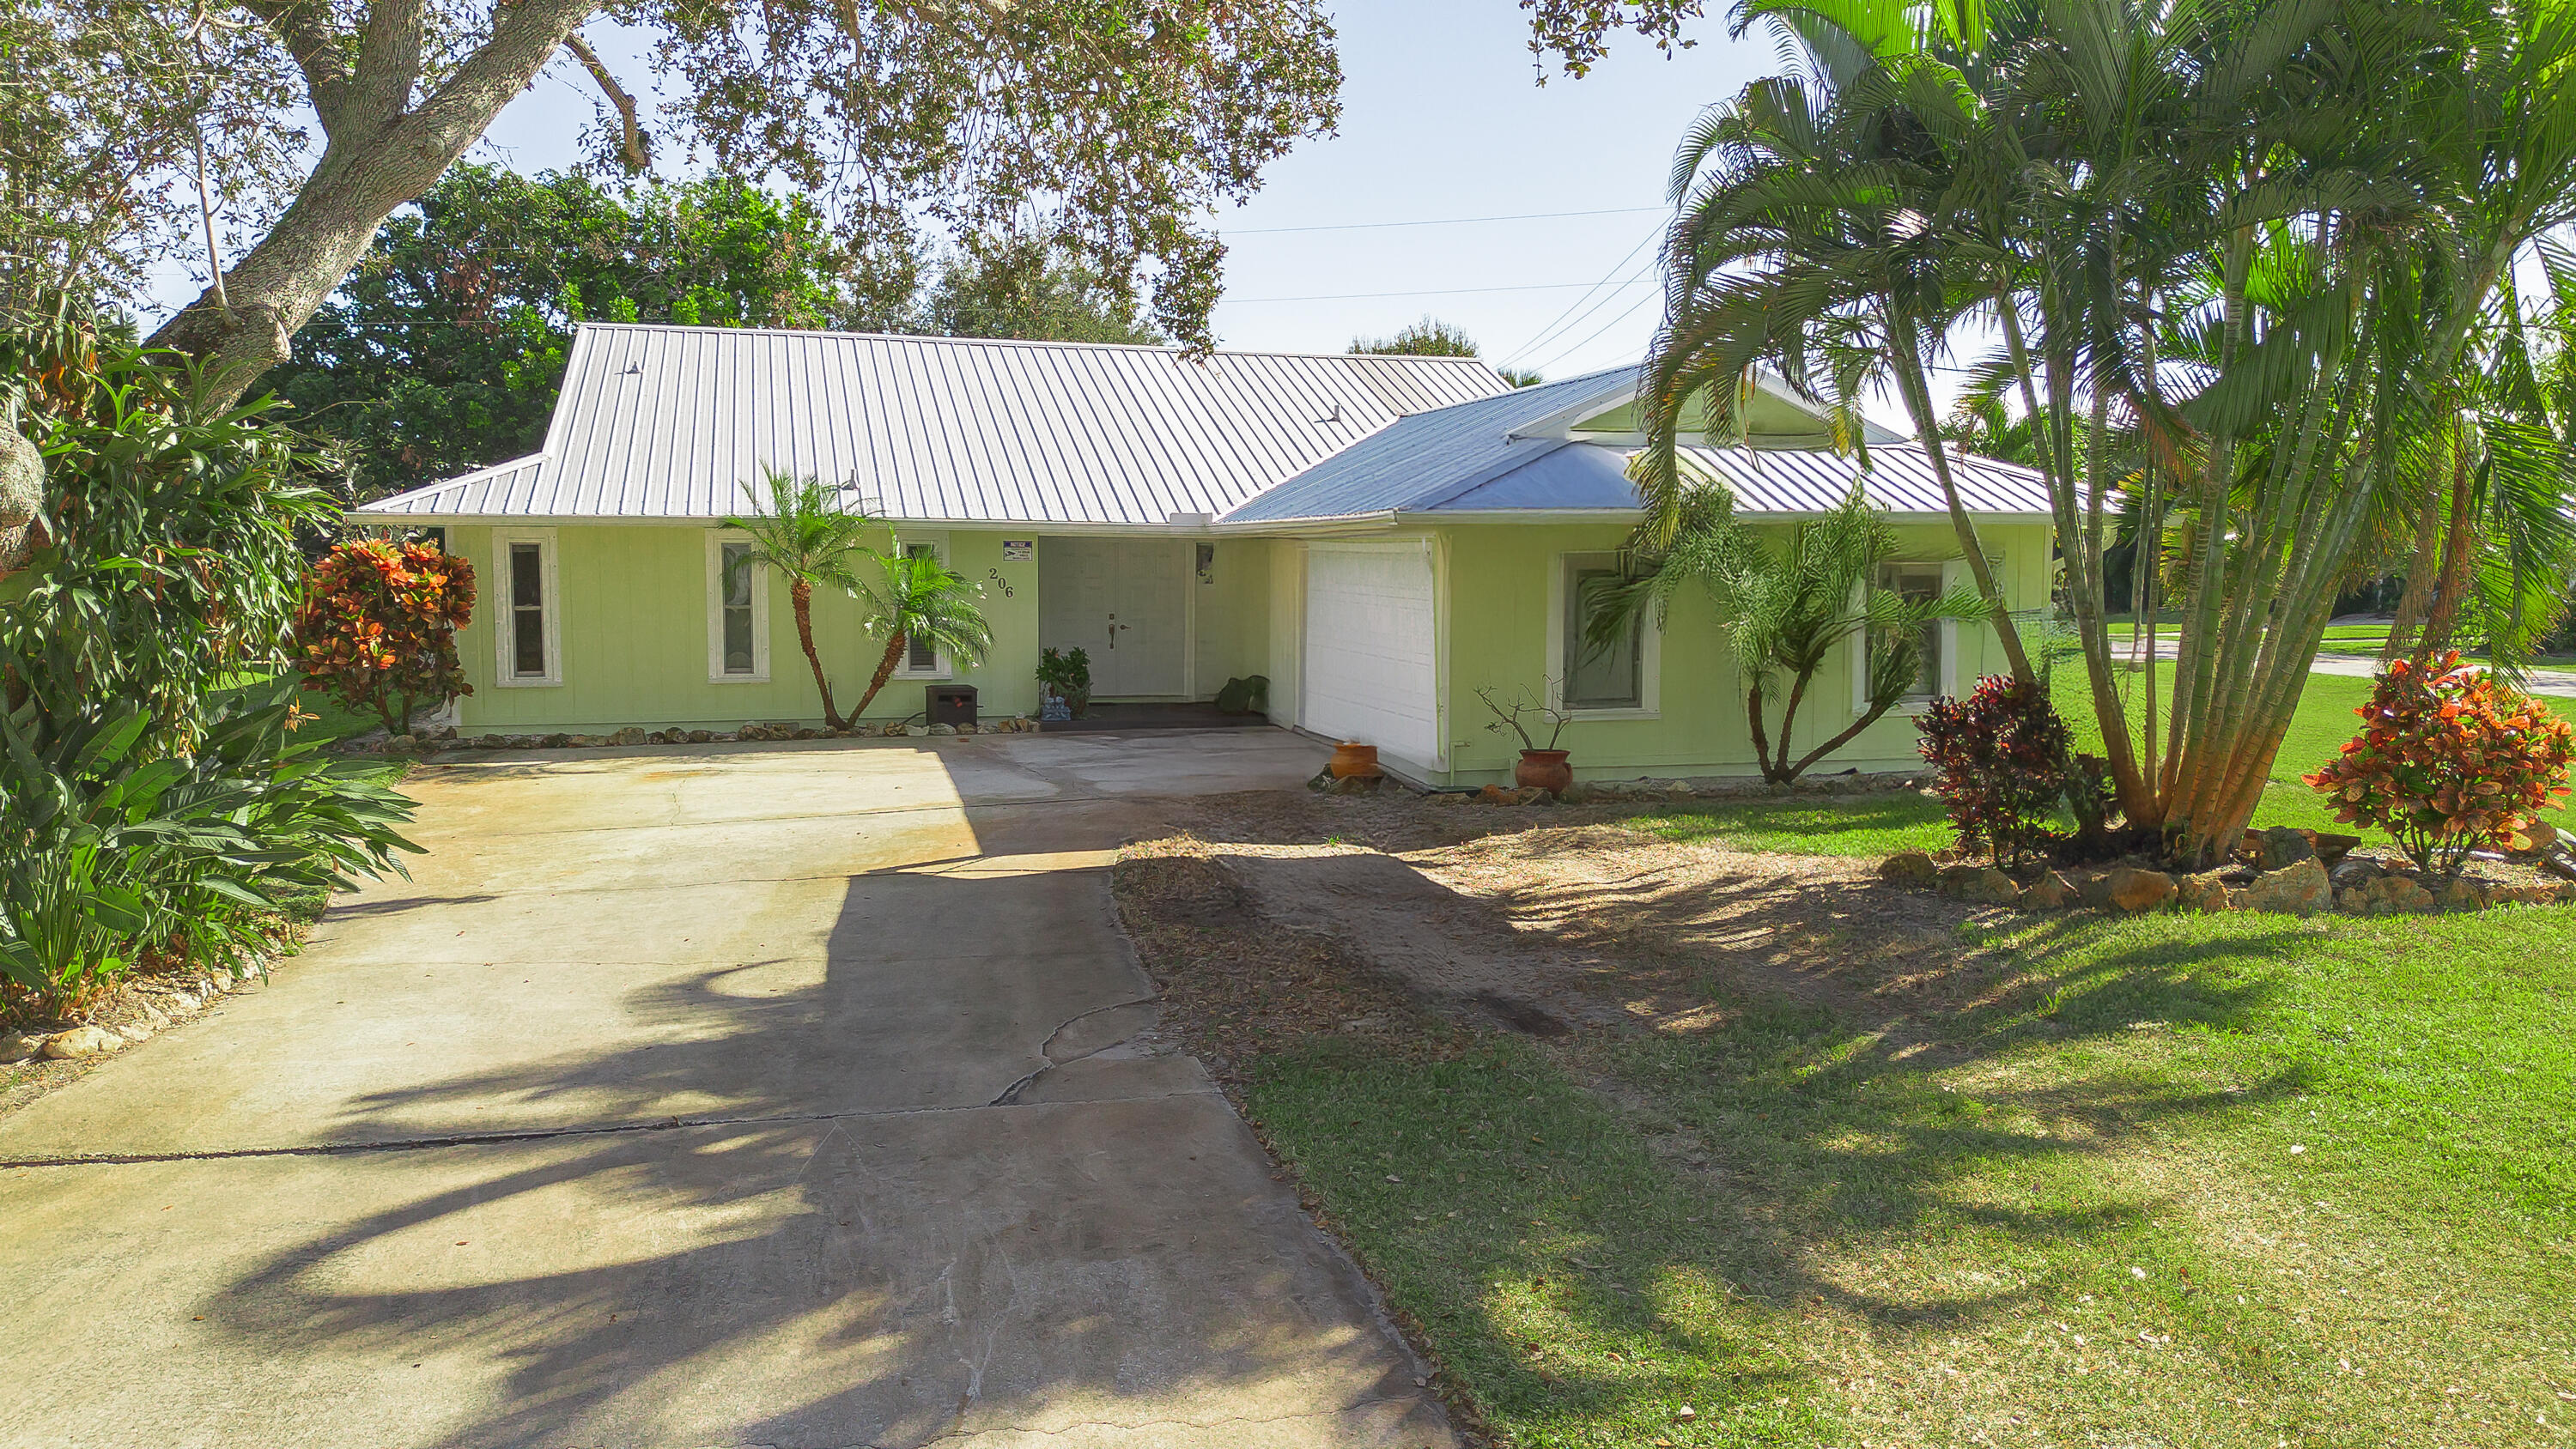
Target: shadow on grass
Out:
[1590,1234]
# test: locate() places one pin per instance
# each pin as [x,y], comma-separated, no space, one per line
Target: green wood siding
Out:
[633,624]
[1498,589]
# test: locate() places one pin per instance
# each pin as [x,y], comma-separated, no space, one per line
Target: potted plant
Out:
[1541,767]
[1064,676]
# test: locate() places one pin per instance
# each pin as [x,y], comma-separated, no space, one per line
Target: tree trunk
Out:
[801,595]
[1761,735]
[1918,404]
[381,153]
[885,671]
[2459,550]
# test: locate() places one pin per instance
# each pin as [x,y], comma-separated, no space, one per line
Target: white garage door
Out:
[1372,665]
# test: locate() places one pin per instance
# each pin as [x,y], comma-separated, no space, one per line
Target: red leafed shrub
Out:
[378,626]
[2448,759]
[2001,757]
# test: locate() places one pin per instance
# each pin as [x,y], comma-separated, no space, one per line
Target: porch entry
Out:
[1127,602]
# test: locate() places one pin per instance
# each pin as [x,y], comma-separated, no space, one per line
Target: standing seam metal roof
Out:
[672,422]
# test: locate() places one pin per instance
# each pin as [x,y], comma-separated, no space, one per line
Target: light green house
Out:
[1379,537]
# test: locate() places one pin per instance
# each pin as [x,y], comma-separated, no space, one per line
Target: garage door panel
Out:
[1372,657]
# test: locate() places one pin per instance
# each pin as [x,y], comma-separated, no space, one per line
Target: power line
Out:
[1624,314]
[1434,221]
[1575,311]
[1432,292]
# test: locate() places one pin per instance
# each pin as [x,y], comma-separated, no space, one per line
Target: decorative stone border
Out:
[2290,872]
[450,739]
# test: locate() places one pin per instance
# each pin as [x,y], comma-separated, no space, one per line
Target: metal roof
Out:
[672,422]
[1424,460]
[1488,457]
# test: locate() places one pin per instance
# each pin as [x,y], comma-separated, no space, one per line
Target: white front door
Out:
[1125,601]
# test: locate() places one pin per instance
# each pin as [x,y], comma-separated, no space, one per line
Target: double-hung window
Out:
[921,658]
[528,632]
[737,612]
[1918,583]
[1614,676]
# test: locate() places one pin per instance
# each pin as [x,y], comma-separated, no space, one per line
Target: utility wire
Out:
[1568,317]
[1432,221]
[1624,315]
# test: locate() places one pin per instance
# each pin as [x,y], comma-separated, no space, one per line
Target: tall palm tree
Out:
[2249,238]
[1813,236]
[920,601]
[810,534]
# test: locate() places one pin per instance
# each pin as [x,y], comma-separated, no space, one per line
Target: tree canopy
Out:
[1432,337]
[1109,129]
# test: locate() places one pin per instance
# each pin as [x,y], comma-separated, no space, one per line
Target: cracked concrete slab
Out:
[859,1250]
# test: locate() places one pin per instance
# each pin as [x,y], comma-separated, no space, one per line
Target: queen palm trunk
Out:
[885,671]
[800,595]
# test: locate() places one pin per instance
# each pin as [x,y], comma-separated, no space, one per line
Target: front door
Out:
[1126,602]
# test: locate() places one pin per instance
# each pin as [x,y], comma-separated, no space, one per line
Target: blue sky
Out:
[1442,118]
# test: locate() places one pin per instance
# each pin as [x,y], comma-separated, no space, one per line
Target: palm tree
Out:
[2233,249]
[808,533]
[1787,612]
[920,601]
[1848,226]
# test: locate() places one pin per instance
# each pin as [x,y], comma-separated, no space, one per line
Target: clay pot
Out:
[1352,761]
[1543,770]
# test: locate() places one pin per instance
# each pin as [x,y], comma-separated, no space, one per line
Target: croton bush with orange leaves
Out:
[378,626]
[2449,759]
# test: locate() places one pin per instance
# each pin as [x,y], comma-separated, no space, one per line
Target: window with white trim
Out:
[737,612]
[1918,583]
[920,660]
[528,628]
[1608,675]
[1617,678]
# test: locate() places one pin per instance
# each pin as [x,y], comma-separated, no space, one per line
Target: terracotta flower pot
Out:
[1354,761]
[1543,770]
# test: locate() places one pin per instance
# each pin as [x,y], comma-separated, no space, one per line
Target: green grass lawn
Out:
[1881,825]
[2172,1180]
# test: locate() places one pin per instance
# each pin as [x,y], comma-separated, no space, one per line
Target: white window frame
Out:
[1952,571]
[717,538]
[937,543]
[1650,643]
[505,623]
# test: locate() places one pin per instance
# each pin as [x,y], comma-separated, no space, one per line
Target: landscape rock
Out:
[2051,892]
[943,731]
[2331,847]
[631,735]
[2352,902]
[2396,894]
[2298,889]
[81,1041]
[702,737]
[403,742]
[1910,867]
[1982,884]
[137,1032]
[2353,874]
[2534,838]
[2461,895]
[2281,847]
[2126,888]
[2204,892]
[19,1046]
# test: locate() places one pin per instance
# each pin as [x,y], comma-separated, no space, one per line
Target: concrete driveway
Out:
[727,1095]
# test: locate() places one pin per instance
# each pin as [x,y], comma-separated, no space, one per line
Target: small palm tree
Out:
[922,601]
[804,530]
[1788,611]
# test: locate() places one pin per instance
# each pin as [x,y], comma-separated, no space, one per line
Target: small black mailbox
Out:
[950,704]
